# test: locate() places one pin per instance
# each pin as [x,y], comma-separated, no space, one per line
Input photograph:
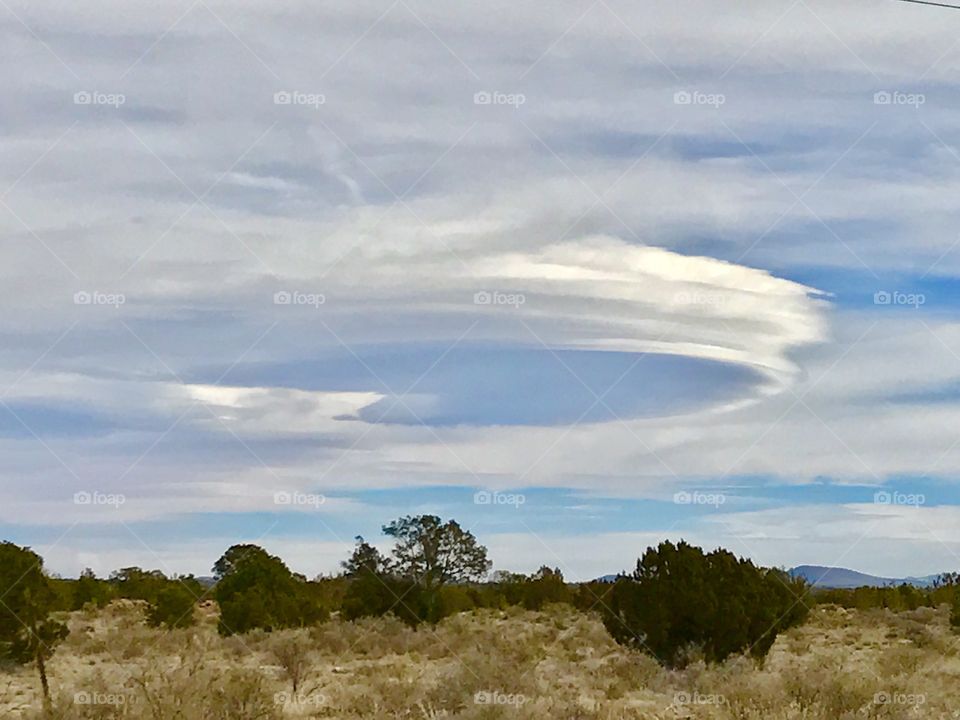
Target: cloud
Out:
[487,271]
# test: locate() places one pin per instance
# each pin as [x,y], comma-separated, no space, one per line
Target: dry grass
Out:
[480,666]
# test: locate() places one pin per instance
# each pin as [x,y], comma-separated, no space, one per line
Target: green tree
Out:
[680,601]
[27,633]
[374,589]
[257,590]
[510,587]
[434,552]
[430,554]
[365,559]
[955,609]
[369,593]
[545,586]
[89,589]
[173,607]
[235,555]
[136,583]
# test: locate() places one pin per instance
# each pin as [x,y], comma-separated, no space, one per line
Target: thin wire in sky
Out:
[928,2]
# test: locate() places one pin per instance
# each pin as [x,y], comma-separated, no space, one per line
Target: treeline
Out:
[897,598]
[679,603]
[344,594]
[341,594]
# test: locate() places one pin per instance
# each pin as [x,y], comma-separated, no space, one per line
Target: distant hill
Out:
[833,577]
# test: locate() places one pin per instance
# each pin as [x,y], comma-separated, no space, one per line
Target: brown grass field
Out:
[558,664]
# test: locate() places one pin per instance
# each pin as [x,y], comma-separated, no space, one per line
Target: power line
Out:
[928,2]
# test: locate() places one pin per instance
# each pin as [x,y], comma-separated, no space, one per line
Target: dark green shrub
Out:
[88,589]
[374,595]
[544,587]
[27,634]
[680,601]
[955,611]
[257,590]
[173,608]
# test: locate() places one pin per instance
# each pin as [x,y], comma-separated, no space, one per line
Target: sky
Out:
[583,276]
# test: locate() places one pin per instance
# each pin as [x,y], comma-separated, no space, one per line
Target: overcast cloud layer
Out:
[282,272]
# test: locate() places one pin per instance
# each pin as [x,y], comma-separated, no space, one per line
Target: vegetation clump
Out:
[681,602]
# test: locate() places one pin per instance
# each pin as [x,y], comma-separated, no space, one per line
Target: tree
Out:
[235,555]
[946,589]
[27,633]
[374,590]
[89,589]
[428,555]
[535,591]
[173,608]
[545,586]
[365,559]
[257,590]
[136,583]
[510,586]
[680,600]
[435,553]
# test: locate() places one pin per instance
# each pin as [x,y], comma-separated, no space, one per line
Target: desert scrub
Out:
[561,663]
[291,651]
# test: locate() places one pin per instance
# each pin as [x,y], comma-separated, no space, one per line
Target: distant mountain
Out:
[832,577]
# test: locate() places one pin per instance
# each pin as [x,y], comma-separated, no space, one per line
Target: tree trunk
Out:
[42,668]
